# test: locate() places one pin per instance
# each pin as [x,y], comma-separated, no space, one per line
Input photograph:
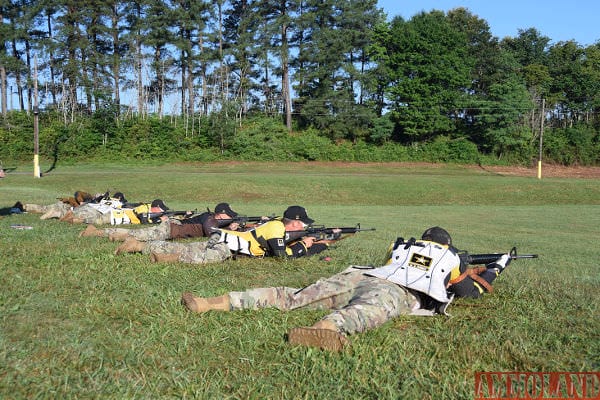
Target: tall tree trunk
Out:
[190,75]
[4,92]
[191,97]
[222,72]
[183,83]
[203,98]
[52,62]
[116,62]
[87,78]
[160,80]
[18,76]
[285,78]
[138,74]
[3,82]
[72,86]
[96,83]
[29,89]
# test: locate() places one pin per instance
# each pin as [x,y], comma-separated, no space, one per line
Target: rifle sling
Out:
[262,242]
[473,273]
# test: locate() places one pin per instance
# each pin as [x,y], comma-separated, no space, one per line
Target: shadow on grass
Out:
[54,155]
[483,168]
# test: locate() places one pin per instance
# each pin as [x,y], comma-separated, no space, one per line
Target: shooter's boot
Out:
[92,231]
[164,257]
[131,245]
[118,236]
[204,304]
[323,335]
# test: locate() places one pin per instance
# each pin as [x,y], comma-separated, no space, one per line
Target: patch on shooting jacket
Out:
[280,242]
[420,261]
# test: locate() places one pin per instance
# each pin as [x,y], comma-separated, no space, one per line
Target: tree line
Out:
[337,68]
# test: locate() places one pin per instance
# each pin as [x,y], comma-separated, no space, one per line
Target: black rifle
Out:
[484,259]
[153,216]
[243,220]
[323,233]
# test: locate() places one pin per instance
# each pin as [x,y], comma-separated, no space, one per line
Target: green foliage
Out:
[529,47]
[434,74]
[382,130]
[75,140]
[147,138]
[262,138]
[445,149]
[16,136]
[429,76]
[537,78]
[311,146]
[512,142]
[579,145]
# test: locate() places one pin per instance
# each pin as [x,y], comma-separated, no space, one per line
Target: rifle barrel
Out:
[475,259]
[242,219]
[342,230]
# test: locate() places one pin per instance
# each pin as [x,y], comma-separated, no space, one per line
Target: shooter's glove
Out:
[500,263]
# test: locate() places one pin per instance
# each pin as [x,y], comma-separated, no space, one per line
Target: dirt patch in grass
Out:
[548,171]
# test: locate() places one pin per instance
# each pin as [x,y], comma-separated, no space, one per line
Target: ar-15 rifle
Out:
[488,258]
[243,220]
[155,215]
[323,233]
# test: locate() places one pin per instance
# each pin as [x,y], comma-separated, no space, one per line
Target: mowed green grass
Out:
[76,321]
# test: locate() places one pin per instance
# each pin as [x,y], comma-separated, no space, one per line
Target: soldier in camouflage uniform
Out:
[363,297]
[160,231]
[56,210]
[61,207]
[77,208]
[271,238]
[87,214]
[201,225]
[100,213]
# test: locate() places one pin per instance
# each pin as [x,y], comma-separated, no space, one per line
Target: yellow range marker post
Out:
[36,166]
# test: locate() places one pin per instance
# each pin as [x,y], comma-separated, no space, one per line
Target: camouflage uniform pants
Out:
[160,231]
[35,208]
[360,302]
[90,215]
[61,207]
[192,252]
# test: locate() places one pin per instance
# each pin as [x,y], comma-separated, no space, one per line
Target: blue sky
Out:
[577,20]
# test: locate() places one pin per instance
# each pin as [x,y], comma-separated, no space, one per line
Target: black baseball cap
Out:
[223,208]
[297,213]
[159,203]
[438,235]
[119,196]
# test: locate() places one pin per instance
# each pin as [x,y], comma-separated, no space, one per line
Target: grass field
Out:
[76,321]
